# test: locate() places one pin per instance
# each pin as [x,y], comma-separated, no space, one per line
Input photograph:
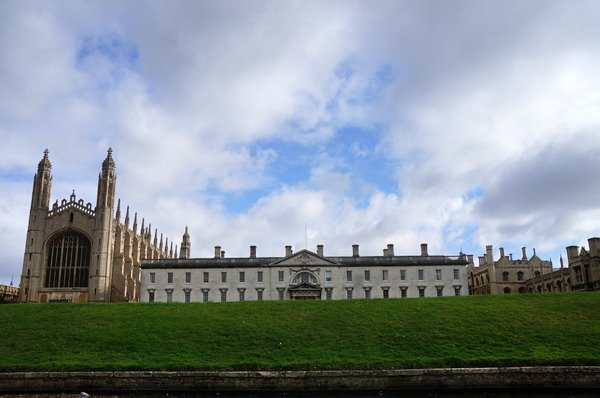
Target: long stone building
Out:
[505,275]
[301,275]
[78,253]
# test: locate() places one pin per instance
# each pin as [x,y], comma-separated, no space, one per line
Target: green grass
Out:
[533,329]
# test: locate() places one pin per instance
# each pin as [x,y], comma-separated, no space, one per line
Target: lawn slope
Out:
[533,329]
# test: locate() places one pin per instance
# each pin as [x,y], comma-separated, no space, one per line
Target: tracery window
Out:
[68,260]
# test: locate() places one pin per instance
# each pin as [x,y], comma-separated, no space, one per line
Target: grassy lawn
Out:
[548,329]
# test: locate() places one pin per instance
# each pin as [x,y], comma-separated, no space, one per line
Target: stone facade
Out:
[505,275]
[9,294]
[78,253]
[583,272]
[301,275]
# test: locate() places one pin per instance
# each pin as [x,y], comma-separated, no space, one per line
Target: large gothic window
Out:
[68,260]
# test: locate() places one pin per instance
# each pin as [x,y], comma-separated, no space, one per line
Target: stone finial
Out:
[127,217]
[135,222]
[118,212]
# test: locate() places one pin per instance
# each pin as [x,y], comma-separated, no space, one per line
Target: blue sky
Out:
[459,124]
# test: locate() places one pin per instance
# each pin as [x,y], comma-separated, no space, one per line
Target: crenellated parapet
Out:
[72,204]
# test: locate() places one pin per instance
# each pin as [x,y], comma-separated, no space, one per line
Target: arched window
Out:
[505,276]
[68,260]
[537,273]
[304,277]
[507,290]
[520,275]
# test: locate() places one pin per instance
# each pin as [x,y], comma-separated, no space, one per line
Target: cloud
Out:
[401,122]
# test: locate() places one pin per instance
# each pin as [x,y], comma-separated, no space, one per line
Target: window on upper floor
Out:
[259,276]
[242,277]
[438,274]
[420,275]
[169,277]
[152,277]
[205,277]
[328,275]
[280,276]
[520,276]
[224,277]
[505,276]
[456,274]
[188,277]
[349,276]
[367,275]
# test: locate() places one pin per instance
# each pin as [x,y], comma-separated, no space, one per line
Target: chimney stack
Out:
[390,250]
[222,253]
[320,250]
[424,249]
[524,249]
[354,250]
[385,252]
[489,254]
[252,251]
[288,251]
[501,253]
[217,251]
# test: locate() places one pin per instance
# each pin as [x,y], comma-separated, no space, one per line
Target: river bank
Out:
[565,377]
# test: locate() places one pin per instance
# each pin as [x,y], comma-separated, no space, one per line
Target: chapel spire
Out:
[186,245]
[42,184]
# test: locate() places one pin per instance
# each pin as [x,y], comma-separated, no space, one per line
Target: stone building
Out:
[505,275]
[9,294]
[583,272]
[78,253]
[301,275]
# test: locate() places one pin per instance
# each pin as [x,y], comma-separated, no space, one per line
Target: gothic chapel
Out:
[76,253]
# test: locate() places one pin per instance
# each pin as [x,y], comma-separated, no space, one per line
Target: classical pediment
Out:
[303,258]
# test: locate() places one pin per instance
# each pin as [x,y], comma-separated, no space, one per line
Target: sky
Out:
[271,123]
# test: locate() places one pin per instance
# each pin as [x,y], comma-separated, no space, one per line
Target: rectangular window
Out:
[242,294]
[328,293]
[169,296]
[259,276]
[205,277]
[328,275]
[280,276]
[421,292]
[169,277]
[402,274]
[438,274]
[259,295]
[455,273]
[367,275]
[403,292]
[349,276]
[367,293]
[457,290]
[242,277]
[205,295]
[223,295]
[224,277]
[349,294]
[384,274]
[152,277]
[280,293]
[420,275]
[150,297]
[386,293]
[187,294]
[188,277]
[439,290]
